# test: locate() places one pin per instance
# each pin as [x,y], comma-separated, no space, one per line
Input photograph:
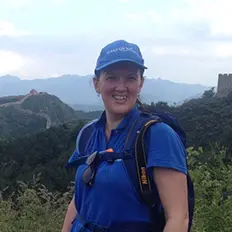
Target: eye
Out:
[131,77]
[111,77]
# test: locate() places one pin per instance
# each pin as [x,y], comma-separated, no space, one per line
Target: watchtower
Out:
[224,84]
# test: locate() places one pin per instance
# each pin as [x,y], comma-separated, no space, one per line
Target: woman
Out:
[111,201]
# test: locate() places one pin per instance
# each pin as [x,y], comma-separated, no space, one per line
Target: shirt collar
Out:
[127,120]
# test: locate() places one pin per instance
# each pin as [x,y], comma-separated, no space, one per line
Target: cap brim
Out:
[117,61]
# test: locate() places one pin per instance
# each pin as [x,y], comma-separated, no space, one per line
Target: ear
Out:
[141,83]
[96,84]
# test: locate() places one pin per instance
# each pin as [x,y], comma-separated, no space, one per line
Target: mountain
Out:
[78,91]
[31,113]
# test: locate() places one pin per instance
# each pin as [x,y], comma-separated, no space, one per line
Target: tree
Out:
[209,93]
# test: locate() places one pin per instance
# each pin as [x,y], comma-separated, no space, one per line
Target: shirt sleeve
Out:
[74,156]
[165,149]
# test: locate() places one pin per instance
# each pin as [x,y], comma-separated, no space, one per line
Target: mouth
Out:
[120,98]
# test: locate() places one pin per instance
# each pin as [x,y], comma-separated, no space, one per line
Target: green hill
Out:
[30,114]
[4,100]
[206,120]
[15,123]
[51,106]
[44,153]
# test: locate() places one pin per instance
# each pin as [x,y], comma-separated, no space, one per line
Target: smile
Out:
[120,98]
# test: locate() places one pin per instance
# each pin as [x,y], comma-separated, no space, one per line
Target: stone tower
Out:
[224,84]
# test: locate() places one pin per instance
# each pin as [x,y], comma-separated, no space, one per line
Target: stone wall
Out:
[224,84]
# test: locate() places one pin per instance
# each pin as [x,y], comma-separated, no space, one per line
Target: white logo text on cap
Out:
[121,49]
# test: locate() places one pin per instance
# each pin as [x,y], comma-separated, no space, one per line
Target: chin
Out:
[121,109]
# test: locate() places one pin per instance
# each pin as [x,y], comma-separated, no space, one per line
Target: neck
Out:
[112,122]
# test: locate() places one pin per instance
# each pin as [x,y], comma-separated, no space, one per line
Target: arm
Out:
[172,188]
[167,165]
[69,217]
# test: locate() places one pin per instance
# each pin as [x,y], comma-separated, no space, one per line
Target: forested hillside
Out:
[206,120]
[31,114]
[208,125]
[16,123]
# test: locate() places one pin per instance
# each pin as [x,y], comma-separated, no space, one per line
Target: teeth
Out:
[120,97]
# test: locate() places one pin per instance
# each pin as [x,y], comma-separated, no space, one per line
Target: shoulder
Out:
[165,148]
[161,127]
[163,130]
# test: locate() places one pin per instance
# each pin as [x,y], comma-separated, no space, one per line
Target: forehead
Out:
[122,67]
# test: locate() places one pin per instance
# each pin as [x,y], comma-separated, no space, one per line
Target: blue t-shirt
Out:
[113,197]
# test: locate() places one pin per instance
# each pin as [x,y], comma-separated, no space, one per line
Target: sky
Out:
[187,41]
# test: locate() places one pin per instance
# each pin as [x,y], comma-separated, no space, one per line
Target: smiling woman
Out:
[119,87]
[105,198]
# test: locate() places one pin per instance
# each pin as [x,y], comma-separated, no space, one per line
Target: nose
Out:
[121,84]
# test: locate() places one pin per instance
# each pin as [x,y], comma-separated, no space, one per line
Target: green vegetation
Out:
[4,100]
[15,123]
[44,153]
[206,120]
[37,113]
[33,208]
[213,187]
[58,111]
[36,188]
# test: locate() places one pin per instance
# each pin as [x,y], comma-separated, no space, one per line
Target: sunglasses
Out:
[92,162]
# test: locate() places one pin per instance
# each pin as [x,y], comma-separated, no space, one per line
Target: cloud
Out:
[136,16]
[125,1]
[15,3]
[42,57]
[58,2]
[11,61]
[195,28]
[189,43]
[144,17]
[18,4]
[8,29]
[217,14]
[223,50]
[177,50]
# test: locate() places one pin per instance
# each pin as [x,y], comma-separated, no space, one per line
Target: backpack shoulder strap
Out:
[142,181]
[82,140]
[134,143]
[145,185]
[84,137]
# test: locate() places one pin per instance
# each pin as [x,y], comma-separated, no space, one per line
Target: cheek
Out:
[106,89]
[134,90]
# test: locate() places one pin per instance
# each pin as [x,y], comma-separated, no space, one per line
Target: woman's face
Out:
[119,86]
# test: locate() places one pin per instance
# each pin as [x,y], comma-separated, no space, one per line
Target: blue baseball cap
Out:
[118,51]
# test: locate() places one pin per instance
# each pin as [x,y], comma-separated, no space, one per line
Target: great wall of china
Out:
[17,104]
[224,84]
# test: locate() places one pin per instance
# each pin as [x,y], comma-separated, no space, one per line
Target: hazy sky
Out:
[186,41]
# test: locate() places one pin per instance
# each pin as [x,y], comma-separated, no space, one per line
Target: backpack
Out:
[142,182]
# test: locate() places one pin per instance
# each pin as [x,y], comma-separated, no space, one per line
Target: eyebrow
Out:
[132,73]
[113,73]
